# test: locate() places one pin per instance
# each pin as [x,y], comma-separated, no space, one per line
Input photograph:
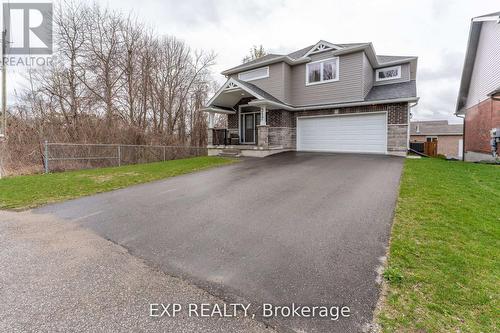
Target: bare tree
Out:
[112,80]
[256,52]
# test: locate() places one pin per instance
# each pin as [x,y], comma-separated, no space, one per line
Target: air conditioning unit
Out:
[495,140]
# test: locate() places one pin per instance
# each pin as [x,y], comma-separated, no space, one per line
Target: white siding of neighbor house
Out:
[405,76]
[367,76]
[348,88]
[486,72]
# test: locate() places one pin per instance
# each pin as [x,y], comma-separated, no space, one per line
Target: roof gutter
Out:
[284,58]
[369,47]
[217,110]
[262,102]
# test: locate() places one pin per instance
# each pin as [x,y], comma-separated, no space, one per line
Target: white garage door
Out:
[365,133]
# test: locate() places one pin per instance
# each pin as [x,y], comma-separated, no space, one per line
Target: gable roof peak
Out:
[321,46]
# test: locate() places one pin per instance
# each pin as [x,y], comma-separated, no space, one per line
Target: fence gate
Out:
[430,148]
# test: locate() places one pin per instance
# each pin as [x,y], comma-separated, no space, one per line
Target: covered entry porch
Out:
[248,133]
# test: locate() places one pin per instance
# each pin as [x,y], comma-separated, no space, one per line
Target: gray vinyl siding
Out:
[367,76]
[486,72]
[405,76]
[287,79]
[274,84]
[348,88]
[413,70]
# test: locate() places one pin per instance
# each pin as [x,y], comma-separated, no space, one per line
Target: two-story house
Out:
[324,97]
[479,95]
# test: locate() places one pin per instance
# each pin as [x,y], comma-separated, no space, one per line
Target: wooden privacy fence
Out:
[74,156]
[427,148]
[430,148]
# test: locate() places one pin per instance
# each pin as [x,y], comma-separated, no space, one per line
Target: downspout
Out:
[463,137]
[409,125]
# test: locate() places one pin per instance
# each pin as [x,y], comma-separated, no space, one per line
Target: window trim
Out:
[321,71]
[254,70]
[386,69]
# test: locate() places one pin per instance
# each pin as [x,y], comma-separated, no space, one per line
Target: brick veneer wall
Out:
[232,119]
[282,136]
[282,123]
[479,120]
[396,113]
[397,121]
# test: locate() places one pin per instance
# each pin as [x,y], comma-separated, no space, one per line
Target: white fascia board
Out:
[368,48]
[217,110]
[487,18]
[239,85]
[221,89]
[263,102]
[286,59]
[395,62]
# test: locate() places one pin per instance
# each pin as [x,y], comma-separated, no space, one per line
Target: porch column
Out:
[210,130]
[263,112]
[263,129]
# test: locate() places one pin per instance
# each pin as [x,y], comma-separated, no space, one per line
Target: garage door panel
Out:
[349,133]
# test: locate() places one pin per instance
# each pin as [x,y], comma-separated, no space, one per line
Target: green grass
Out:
[443,273]
[30,191]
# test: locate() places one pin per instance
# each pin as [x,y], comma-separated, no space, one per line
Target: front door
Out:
[249,128]
[249,122]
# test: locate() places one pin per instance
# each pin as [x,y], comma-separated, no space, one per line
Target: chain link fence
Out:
[74,156]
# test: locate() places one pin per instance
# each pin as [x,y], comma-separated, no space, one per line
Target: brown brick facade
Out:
[280,118]
[479,120]
[282,124]
[396,113]
[232,119]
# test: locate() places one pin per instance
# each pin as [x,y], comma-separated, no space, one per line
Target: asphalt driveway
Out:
[301,228]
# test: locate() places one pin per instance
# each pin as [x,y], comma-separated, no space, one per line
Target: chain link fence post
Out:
[119,155]
[46,156]
[164,153]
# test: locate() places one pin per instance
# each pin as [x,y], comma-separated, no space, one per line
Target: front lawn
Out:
[443,272]
[34,190]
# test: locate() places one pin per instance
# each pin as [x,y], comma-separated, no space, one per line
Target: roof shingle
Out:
[435,127]
[393,91]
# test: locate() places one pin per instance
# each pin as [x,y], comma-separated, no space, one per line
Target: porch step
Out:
[230,153]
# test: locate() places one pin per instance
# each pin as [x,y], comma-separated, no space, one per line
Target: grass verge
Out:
[443,273]
[34,190]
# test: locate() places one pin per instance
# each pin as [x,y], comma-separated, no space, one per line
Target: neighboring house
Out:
[479,95]
[449,137]
[325,97]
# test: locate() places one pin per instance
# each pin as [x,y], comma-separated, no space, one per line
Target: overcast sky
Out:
[434,30]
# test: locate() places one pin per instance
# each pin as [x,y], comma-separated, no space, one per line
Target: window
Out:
[322,71]
[388,73]
[255,74]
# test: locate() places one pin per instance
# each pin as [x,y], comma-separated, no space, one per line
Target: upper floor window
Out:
[254,74]
[322,71]
[388,73]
